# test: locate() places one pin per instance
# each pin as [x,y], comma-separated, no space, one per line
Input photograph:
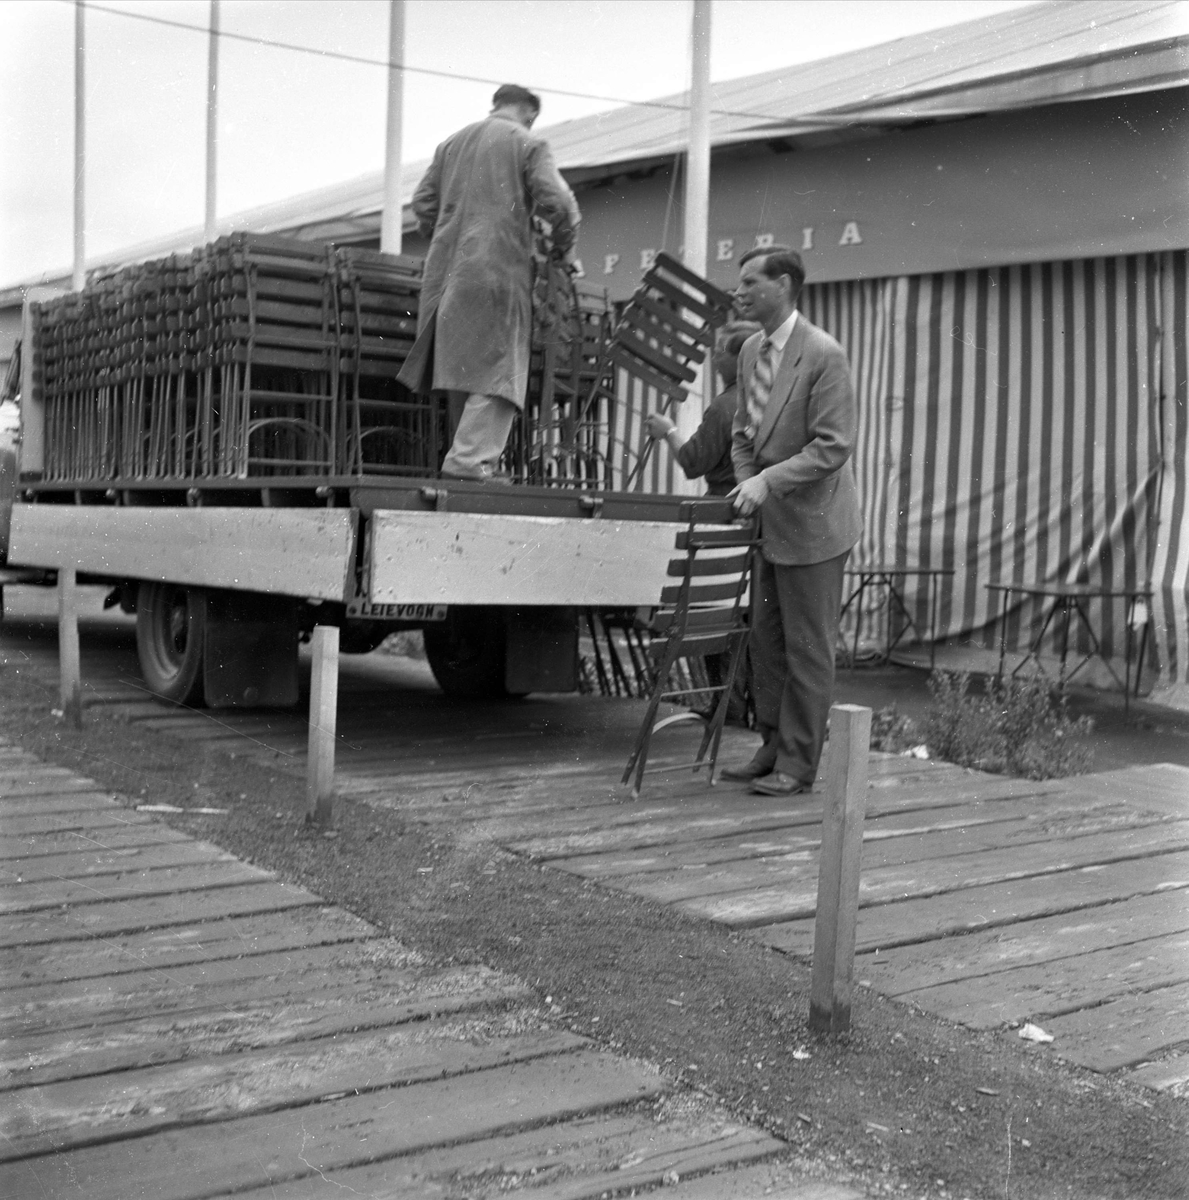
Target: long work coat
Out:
[475,202]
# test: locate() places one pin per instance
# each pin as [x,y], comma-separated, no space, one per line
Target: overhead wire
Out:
[388,64]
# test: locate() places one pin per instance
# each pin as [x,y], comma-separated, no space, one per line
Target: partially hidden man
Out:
[792,442]
[474,326]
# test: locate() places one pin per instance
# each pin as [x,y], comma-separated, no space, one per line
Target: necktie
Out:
[761,386]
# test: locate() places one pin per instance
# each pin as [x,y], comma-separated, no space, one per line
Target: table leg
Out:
[1003,606]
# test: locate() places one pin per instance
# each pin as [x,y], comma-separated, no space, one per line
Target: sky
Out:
[291,121]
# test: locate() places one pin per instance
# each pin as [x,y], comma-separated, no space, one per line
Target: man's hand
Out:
[750,494]
[658,426]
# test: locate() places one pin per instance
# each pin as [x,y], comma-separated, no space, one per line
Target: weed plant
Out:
[1017,726]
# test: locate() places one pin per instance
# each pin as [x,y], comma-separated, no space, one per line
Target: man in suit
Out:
[793,435]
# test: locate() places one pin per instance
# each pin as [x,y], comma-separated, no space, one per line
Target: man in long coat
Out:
[476,203]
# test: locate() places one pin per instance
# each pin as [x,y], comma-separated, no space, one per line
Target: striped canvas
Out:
[1025,423]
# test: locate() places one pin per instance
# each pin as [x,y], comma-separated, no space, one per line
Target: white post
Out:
[80,149]
[70,683]
[697,195]
[324,699]
[838,872]
[391,215]
[212,125]
[697,174]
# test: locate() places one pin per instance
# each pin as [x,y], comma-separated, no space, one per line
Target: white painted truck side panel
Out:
[290,551]
[481,558]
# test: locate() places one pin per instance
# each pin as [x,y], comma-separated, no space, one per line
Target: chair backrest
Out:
[709,597]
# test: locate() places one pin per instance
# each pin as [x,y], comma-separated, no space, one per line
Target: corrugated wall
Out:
[1025,423]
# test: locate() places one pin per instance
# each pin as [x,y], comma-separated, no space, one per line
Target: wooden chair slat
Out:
[719,617]
[710,538]
[643,371]
[728,564]
[701,593]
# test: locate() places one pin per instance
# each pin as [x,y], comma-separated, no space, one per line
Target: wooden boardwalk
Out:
[988,901]
[178,1024]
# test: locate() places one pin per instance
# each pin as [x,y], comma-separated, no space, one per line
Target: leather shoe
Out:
[779,784]
[748,772]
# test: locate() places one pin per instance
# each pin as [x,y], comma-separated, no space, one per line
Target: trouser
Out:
[795,613]
[481,427]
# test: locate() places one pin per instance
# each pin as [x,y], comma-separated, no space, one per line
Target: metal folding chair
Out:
[704,612]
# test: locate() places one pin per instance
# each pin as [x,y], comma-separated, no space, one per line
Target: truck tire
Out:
[467,652]
[170,629]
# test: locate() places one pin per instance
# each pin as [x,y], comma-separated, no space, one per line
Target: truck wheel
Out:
[467,652]
[170,628]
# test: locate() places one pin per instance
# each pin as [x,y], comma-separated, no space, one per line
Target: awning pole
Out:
[390,218]
[697,192]
[697,175]
[80,151]
[212,124]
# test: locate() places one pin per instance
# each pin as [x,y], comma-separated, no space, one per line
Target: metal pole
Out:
[697,175]
[212,124]
[390,218]
[697,196]
[80,157]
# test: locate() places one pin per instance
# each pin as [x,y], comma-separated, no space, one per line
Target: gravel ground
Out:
[904,1105]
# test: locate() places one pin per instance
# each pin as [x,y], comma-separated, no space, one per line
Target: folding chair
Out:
[705,613]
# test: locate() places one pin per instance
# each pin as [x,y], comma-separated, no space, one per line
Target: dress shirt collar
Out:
[781,334]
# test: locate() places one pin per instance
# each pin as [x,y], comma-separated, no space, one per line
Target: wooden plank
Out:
[742,899]
[100,819]
[1167,1075]
[1125,1032]
[227,937]
[40,894]
[989,953]
[75,1004]
[1159,785]
[279,1017]
[600,1154]
[98,861]
[1061,986]
[681,856]
[69,841]
[259,1150]
[57,802]
[33,769]
[130,916]
[479,558]
[295,551]
[596,832]
[72,1113]
[996,905]
[778,1178]
[28,788]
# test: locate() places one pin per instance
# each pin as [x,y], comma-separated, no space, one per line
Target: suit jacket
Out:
[477,200]
[803,447]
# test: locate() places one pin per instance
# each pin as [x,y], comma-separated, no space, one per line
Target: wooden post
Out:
[838,874]
[69,674]
[324,698]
